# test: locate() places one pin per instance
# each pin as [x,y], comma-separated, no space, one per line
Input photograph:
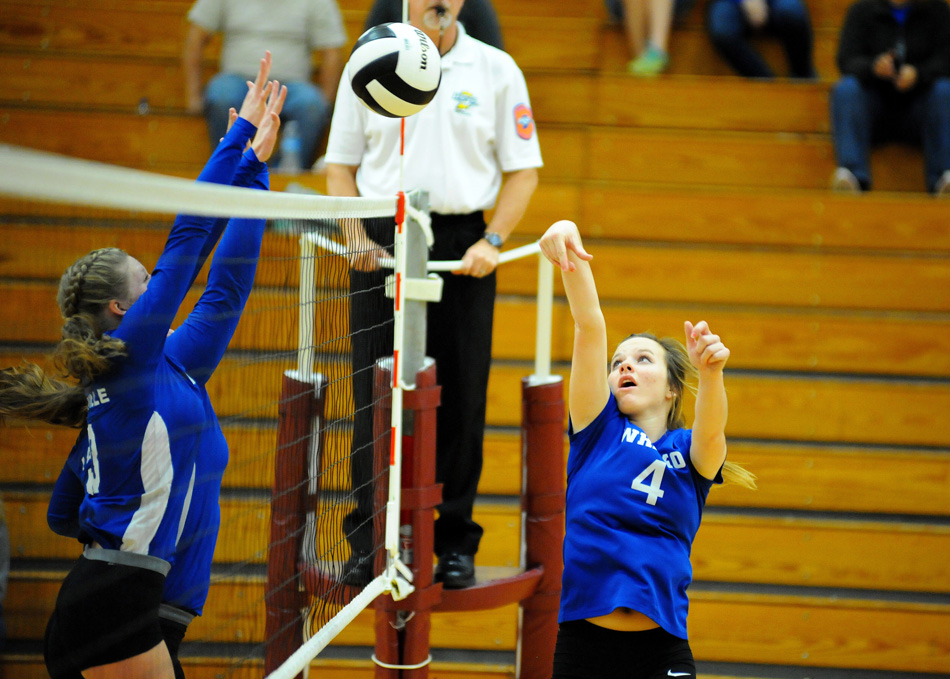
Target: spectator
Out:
[248,28]
[478,17]
[472,148]
[647,26]
[894,58]
[730,23]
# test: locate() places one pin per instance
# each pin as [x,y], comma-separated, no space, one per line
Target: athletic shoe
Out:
[942,188]
[649,64]
[844,181]
[358,569]
[455,571]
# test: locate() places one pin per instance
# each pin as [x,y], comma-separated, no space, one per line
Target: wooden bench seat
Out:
[104,83]
[763,628]
[803,477]
[241,667]
[888,556]
[812,219]
[800,477]
[768,277]
[704,159]
[178,144]
[813,341]
[545,40]
[762,406]
[724,275]
[824,13]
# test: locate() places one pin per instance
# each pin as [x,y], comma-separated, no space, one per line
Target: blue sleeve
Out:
[146,324]
[63,512]
[200,343]
[225,157]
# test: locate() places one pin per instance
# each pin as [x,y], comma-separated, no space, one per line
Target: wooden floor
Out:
[701,195]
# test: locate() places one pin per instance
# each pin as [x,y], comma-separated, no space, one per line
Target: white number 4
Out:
[655,473]
[655,470]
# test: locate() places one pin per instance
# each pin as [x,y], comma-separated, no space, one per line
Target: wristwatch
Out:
[493,239]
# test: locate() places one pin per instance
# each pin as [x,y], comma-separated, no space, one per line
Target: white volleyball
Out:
[395,69]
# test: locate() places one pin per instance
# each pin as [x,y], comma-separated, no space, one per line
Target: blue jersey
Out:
[137,471]
[633,509]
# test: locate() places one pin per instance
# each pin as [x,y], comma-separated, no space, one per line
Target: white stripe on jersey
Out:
[184,509]
[157,474]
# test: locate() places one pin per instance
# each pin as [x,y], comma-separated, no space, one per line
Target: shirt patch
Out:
[524,121]
[464,101]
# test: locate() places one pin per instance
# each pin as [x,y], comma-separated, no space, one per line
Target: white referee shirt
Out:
[478,126]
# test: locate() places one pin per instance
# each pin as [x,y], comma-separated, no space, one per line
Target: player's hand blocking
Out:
[255,101]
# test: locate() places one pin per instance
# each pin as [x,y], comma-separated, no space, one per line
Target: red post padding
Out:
[409,645]
[296,411]
[542,443]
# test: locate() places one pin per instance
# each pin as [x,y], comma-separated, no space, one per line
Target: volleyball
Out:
[395,69]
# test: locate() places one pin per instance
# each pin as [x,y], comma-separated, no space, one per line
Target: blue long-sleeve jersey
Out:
[146,472]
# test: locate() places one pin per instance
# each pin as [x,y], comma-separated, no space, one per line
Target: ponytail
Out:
[29,393]
[85,352]
[739,475]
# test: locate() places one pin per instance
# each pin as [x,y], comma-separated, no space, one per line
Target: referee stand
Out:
[403,627]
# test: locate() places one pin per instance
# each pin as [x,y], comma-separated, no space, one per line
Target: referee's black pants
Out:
[459,334]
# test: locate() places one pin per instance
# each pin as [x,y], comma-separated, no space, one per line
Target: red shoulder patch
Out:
[524,121]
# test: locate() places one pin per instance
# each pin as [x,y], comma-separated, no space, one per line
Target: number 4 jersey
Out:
[633,509]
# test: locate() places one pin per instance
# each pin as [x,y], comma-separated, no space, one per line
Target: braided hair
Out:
[85,290]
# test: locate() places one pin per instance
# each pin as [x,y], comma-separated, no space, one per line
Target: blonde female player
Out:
[636,485]
[148,423]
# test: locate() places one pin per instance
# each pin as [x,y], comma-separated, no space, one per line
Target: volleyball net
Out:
[309,399]
[55,210]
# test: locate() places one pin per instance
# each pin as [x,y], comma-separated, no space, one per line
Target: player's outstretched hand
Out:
[560,238]
[255,101]
[706,350]
[266,137]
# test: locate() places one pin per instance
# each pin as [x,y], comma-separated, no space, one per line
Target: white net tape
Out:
[49,177]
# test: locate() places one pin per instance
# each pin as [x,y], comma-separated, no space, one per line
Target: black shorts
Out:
[587,651]
[105,612]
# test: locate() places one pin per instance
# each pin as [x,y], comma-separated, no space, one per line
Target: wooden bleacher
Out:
[701,195]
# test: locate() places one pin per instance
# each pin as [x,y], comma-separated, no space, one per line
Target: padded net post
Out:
[542,441]
[402,627]
[300,404]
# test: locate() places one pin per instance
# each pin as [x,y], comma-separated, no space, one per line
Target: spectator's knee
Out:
[848,88]
[724,23]
[790,14]
[940,92]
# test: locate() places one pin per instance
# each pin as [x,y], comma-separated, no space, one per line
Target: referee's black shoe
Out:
[455,571]
[358,569]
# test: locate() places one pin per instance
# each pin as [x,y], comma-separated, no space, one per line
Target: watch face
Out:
[494,239]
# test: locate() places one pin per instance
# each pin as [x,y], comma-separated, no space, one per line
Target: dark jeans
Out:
[459,333]
[788,20]
[862,116]
[305,103]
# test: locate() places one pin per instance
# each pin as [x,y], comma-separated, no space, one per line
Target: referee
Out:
[473,148]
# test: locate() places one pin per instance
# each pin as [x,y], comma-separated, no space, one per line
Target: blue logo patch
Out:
[464,101]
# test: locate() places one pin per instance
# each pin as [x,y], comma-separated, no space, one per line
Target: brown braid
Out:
[85,290]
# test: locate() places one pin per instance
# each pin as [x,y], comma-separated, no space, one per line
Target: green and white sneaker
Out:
[651,63]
